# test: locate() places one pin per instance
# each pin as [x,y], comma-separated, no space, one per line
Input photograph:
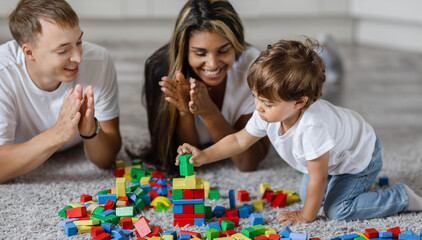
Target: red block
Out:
[223,234]
[182,222]
[232,212]
[371,233]
[395,230]
[187,215]
[158,175]
[95,231]
[153,194]
[188,209]
[188,194]
[85,218]
[233,219]
[119,172]
[243,196]
[85,198]
[76,212]
[274,237]
[314,239]
[192,234]
[155,231]
[199,194]
[279,200]
[268,195]
[109,205]
[263,237]
[103,236]
[127,223]
[125,198]
[142,227]
[231,232]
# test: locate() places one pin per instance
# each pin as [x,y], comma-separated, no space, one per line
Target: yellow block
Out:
[135,219]
[269,230]
[155,238]
[145,180]
[363,235]
[84,229]
[240,236]
[137,166]
[127,176]
[120,164]
[199,183]
[195,238]
[121,203]
[120,187]
[190,182]
[292,199]
[179,183]
[258,205]
[168,237]
[207,189]
[264,186]
[113,191]
[225,238]
[75,205]
[161,199]
[93,222]
[285,191]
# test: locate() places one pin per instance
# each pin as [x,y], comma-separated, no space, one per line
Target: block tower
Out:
[188,196]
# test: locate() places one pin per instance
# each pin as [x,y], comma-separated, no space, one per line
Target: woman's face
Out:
[210,56]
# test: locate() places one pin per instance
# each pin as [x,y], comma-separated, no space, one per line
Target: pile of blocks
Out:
[278,198]
[188,196]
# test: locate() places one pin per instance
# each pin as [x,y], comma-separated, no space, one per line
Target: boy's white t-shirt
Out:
[238,98]
[26,110]
[322,127]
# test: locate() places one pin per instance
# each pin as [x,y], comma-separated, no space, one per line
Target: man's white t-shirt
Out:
[238,98]
[26,110]
[322,127]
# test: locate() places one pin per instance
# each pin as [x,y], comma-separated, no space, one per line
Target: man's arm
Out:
[103,148]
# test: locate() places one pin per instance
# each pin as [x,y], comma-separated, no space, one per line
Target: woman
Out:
[202,73]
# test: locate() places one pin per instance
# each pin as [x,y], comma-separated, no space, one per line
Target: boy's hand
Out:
[198,157]
[292,217]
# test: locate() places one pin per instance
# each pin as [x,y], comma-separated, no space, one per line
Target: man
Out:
[50,99]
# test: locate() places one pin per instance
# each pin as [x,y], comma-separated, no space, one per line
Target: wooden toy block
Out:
[315,238]
[113,219]
[273,236]
[161,207]
[198,208]
[76,212]
[102,198]
[153,194]
[263,187]
[119,164]
[243,212]
[93,222]
[136,174]
[250,232]
[235,220]
[199,183]
[127,223]
[292,199]
[70,229]
[218,211]
[258,205]
[167,237]
[182,222]
[155,231]
[239,236]
[102,236]
[371,233]
[185,167]
[142,227]
[226,225]
[225,238]
[136,162]
[84,229]
[395,230]
[177,194]
[120,203]
[262,237]
[214,194]
[179,183]
[243,196]
[279,200]
[206,189]
[189,215]
[208,212]
[269,230]
[119,172]
[256,219]
[109,204]
[195,238]
[145,180]
[260,230]
[75,205]
[385,234]
[190,182]
[298,236]
[85,198]
[199,194]
[188,201]
[285,232]
[199,222]
[232,200]
[125,211]
[188,209]
[108,226]
[161,199]
[211,233]
[183,236]
[120,187]
[269,195]
[95,231]
[188,193]
[232,212]
[383,181]
[62,212]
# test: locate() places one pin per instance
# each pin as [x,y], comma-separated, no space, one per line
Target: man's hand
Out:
[198,157]
[177,91]
[292,217]
[87,111]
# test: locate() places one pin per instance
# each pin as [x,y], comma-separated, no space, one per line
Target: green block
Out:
[98,217]
[139,192]
[137,173]
[214,194]
[208,212]
[136,162]
[185,167]
[139,205]
[98,210]
[177,194]
[198,208]
[227,225]
[103,192]
[359,238]
[62,213]
[161,207]
[125,211]
[260,230]
[113,219]
[131,189]
[212,233]
[250,232]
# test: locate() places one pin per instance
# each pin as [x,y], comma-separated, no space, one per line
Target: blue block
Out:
[146,199]
[383,181]
[132,197]
[162,191]
[119,233]
[188,201]
[243,212]
[349,236]
[174,233]
[184,236]
[107,212]
[146,187]
[285,232]
[410,232]
[408,237]
[199,222]
[102,198]
[162,181]
[214,225]
[177,209]
[70,229]
[170,198]
[256,219]
[68,220]
[232,199]
[218,211]
[298,236]
[86,205]
[250,207]
[385,234]
[107,226]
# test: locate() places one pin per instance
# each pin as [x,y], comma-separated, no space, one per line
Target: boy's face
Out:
[277,111]
[56,55]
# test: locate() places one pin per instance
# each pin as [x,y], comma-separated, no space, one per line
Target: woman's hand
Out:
[177,91]
[200,101]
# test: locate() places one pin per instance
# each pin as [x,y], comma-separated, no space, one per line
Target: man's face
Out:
[55,56]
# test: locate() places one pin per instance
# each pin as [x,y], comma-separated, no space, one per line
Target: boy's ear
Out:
[301,102]
[27,51]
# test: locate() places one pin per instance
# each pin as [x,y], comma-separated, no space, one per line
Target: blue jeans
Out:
[346,196]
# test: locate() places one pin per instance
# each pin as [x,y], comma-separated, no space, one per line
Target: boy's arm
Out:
[230,145]
[318,174]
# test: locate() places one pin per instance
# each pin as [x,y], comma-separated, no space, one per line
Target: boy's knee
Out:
[338,212]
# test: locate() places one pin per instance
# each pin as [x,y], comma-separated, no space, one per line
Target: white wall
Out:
[389,23]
